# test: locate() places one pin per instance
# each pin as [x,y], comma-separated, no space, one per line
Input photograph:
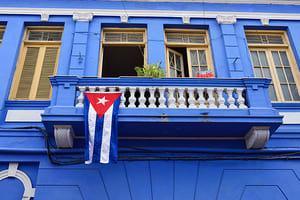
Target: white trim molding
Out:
[87,14]
[24,116]
[257,137]
[290,117]
[13,172]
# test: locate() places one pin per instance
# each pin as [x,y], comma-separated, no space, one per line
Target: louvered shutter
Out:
[48,69]
[27,74]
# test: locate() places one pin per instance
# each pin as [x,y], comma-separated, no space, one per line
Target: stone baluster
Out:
[92,88]
[171,98]
[142,98]
[221,99]
[191,99]
[132,98]
[181,99]
[152,98]
[240,100]
[81,96]
[123,99]
[231,100]
[201,99]
[162,99]
[211,98]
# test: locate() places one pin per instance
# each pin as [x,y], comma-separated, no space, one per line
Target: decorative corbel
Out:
[186,19]
[82,17]
[124,18]
[226,19]
[64,136]
[257,137]
[265,21]
[44,17]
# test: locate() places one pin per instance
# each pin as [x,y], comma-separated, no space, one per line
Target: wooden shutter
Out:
[27,74]
[48,69]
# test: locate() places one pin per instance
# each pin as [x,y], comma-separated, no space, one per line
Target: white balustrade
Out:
[172,97]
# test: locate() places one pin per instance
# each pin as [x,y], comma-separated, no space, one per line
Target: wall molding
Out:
[13,171]
[76,13]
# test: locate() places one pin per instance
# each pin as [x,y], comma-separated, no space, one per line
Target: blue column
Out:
[233,56]
[9,52]
[156,44]
[79,48]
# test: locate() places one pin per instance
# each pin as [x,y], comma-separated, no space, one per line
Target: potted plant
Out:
[154,71]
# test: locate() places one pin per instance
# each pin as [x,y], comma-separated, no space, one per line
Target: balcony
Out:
[168,108]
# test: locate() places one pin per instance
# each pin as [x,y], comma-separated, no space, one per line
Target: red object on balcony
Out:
[204,74]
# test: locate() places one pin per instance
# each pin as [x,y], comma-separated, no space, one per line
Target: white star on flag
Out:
[102,100]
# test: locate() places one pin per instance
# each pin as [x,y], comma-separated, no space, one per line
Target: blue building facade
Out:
[233,136]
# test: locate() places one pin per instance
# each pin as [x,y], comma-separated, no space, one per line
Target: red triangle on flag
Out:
[101,102]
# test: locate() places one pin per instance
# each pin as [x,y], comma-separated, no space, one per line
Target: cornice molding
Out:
[282,2]
[87,14]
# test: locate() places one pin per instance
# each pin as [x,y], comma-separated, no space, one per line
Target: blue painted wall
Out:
[196,179]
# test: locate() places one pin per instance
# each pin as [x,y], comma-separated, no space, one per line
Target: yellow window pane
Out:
[28,69]
[48,68]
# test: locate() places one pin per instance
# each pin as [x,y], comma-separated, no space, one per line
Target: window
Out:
[188,52]
[37,61]
[2,29]
[272,58]
[122,49]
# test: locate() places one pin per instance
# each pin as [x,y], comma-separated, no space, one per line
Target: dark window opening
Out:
[183,51]
[121,60]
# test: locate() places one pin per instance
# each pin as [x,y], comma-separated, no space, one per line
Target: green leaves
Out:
[152,70]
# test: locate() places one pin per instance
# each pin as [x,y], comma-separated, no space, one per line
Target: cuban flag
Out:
[101,128]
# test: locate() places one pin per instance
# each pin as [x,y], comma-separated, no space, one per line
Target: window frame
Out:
[103,43]
[40,58]
[189,46]
[268,48]
[2,28]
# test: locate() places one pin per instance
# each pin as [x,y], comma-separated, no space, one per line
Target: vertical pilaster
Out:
[9,52]
[156,44]
[233,55]
[79,47]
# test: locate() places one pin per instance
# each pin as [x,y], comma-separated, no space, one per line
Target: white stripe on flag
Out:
[92,126]
[106,134]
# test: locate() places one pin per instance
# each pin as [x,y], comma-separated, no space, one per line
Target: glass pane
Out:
[171,59]
[263,58]
[203,68]
[276,58]
[289,75]
[194,71]
[280,75]
[295,92]
[178,62]
[267,73]
[272,93]
[254,58]
[172,73]
[286,93]
[284,58]
[194,57]
[202,57]
[179,74]
[257,72]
